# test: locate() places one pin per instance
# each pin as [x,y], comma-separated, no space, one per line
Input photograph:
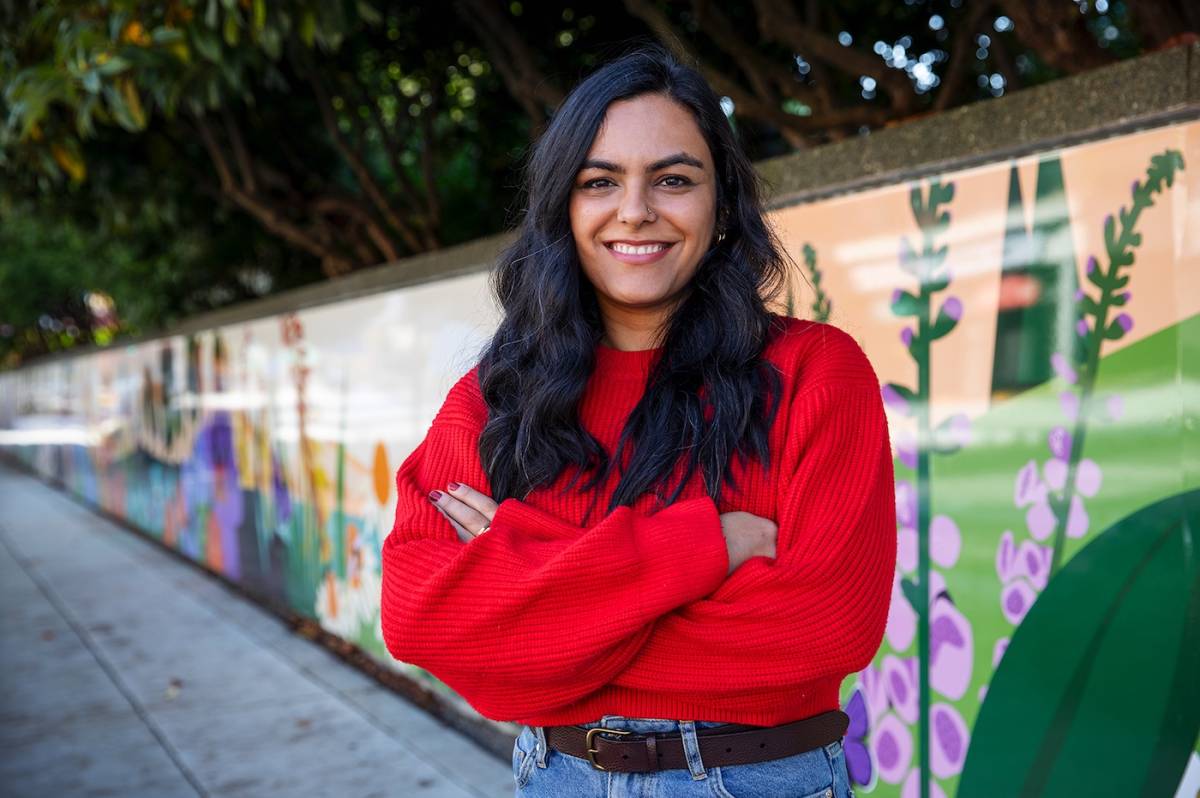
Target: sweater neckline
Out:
[614,363]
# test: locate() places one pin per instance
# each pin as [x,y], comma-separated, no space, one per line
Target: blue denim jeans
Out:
[542,772]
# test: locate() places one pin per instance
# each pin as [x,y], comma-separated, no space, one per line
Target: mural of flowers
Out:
[1053,492]
[1069,474]
[821,306]
[921,606]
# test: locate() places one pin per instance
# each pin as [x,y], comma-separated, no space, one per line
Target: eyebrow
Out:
[662,163]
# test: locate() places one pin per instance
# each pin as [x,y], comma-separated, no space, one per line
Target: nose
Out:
[633,208]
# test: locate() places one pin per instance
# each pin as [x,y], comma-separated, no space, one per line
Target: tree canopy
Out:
[168,157]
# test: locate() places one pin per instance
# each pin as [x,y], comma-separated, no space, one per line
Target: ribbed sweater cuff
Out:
[684,548]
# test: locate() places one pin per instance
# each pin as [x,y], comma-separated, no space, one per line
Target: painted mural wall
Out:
[1036,327]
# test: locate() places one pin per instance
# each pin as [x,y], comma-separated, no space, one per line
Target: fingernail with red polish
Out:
[434,495]
[453,486]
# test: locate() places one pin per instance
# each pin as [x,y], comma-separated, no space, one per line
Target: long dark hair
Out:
[535,369]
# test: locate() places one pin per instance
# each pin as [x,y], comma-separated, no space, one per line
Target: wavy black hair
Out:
[535,368]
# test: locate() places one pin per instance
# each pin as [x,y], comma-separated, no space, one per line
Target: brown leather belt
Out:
[732,744]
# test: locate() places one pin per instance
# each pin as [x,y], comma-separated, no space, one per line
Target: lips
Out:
[642,251]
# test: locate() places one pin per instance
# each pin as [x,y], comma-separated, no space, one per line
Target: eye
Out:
[595,181]
[682,181]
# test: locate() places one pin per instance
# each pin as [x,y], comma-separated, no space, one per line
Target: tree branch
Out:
[778,23]
[365,179]
[240,153]
[749,104]
[962,50]
[512,58]
[1058,33]
[332,262]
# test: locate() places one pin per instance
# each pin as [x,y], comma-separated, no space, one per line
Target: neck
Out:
[633,331]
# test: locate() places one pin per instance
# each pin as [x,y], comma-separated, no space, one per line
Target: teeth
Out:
[625,249]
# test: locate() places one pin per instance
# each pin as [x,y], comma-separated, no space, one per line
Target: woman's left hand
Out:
[469,511]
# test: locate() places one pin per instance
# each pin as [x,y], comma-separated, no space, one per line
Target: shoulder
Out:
[464,405]
[812,354]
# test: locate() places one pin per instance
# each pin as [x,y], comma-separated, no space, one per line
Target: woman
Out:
[655,523]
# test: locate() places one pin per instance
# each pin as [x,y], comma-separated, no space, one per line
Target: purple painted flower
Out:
[1062,368]
[1116,407]
[1088,478]
[1059,441]
[1126,296]
[870,681]
[912,786]
[858,758]
[1082,328]
[1133,189]
[1015,600]
[1006,555]
[951,650]
[906,503]
[949,740]
[1068,401]
[998,651]
[1125,321]
[953,308]
[901,688]
[1055,471]
[220,433]
[892,749]
[896,294]
[283,500]
[1077,518]
[1040,520]
[906,449]
[902,620]
[906,549]
[906,336]
[1029,487]
[893,399]
[1092,265]
[1033,562]
[945,541]
[1079,294]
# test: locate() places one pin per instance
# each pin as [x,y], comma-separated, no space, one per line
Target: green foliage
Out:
[298,138]
[81,65]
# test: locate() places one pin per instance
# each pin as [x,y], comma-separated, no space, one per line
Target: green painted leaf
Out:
[1098,692]
[905,304]
[942,325]
[912,593]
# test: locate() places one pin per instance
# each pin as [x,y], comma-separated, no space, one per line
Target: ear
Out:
[722,222]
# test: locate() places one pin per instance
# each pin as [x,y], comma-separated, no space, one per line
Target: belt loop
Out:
[542,747]
[691,750]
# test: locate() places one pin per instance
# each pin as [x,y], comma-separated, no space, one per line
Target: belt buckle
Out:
[590,741]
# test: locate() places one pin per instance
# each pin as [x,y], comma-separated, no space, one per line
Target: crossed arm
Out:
[536,613]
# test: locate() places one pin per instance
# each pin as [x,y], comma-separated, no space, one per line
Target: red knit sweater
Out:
[545,622]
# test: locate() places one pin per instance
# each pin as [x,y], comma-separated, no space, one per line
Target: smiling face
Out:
[648,154]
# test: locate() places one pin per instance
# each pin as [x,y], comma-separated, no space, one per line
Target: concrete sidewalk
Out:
[126,672]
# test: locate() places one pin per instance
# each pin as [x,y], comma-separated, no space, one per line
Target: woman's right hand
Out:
[748,535]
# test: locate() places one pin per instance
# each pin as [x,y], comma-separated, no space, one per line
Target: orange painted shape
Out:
[383,474]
